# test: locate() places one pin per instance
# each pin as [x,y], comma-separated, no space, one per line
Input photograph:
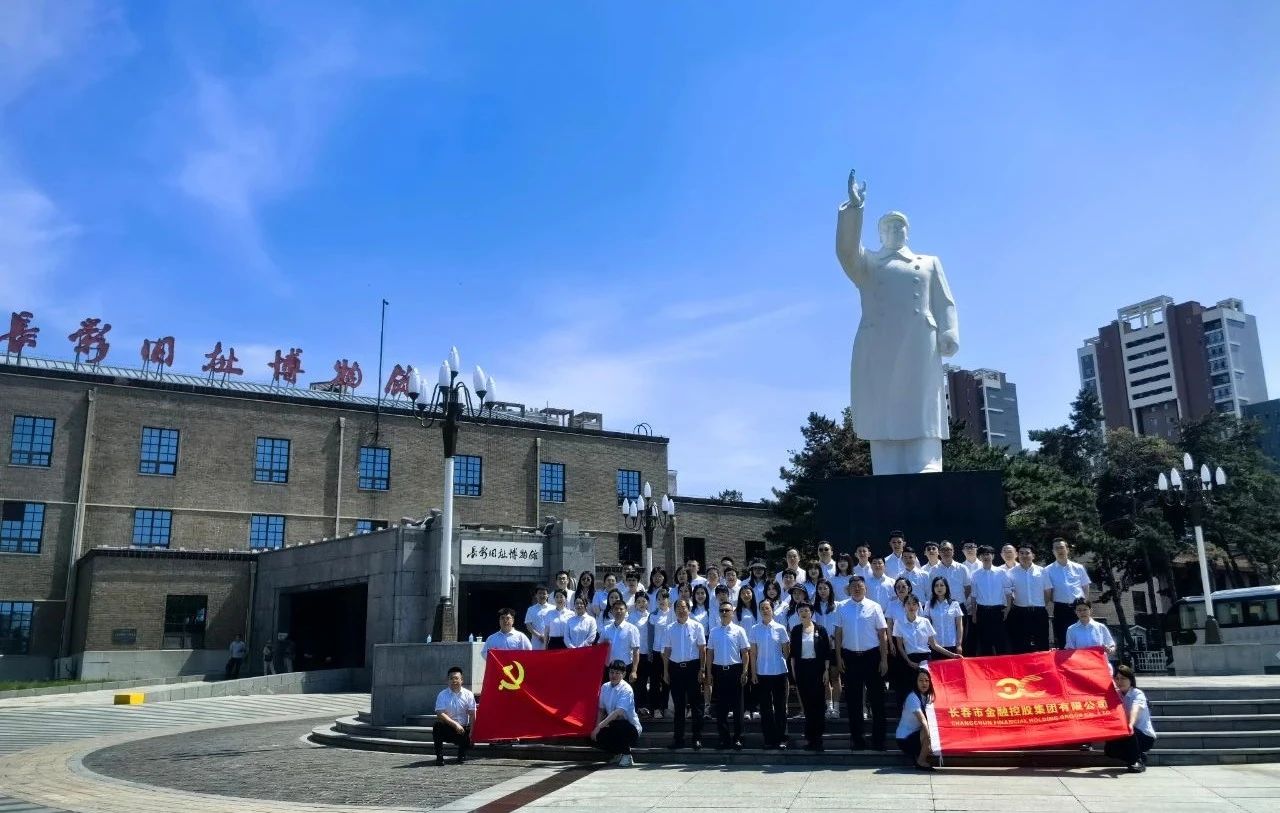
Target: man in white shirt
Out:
[956,574]
[533,617]
[507,636]
[644,685]
[825,560]
[920,579]
[970,549]
[729,654]
[1069,581]
[631,588]
[893,562]
[684,652]
[619,726]
[931,557]
[880,585]
[623,639]
[863,567]
[1009,555]
[862,656]
[770,650]
[1028,620]
[991,595]
[792,564]
[1086,632]
[694,579]
[455,714]
[732,582]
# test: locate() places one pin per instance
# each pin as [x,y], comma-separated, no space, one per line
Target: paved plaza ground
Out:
[246,754]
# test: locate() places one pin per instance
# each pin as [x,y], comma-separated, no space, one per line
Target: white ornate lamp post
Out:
[450,401]
[1190,499]
[646,513]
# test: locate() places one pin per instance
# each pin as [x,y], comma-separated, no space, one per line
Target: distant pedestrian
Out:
[268,659]
[238,650]
[287,650]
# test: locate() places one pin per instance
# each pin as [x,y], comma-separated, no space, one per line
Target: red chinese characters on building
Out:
[222,364]
[286,367]
[158,352]
[21,334]
[91,341]
[398,382]
[347,375]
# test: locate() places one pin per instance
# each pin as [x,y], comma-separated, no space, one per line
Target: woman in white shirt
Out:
[813,572]
[657,584]
[580,630]
[700,610]
[554,622]
[916,643]
[1132,750]
[947,616]
[660,620]
[748,613]
[825,603]
[840,581]
[915,736]
[599,607]
[639,618]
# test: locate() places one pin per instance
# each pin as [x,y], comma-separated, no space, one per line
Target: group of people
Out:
[837,628]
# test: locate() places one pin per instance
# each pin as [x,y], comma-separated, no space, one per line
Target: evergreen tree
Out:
[1075,447]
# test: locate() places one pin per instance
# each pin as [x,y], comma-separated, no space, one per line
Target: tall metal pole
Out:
[648,545]
[446,536]
[1212,635]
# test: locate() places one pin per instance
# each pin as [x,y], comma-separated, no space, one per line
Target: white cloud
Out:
[34,238]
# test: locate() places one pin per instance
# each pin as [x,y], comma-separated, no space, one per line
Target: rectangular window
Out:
[159,451]
[375,468]
[467,475]
[551,482]
[1086,367]
[754,553]
[21,527]
[151,527]
[630,548]
[364,526]
[15,627]
[184,618]
[266,531]
[628,484]
[271,462]
[695,547]
[32,441]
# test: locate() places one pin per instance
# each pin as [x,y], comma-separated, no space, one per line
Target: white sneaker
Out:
[625,761]
[831,713]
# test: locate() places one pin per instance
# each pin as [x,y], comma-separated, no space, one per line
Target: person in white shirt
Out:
[507,636]
[732,581]
[580,630]
[1009,555]
[844,572]
[694,579]
[1086,632]
[825,605]
[630,588]
[770,651]
[773,593]
[912,572]
[812,574]
[956,574]
[826,561]
[799,595]
[862,658]
[747,612]
[660,620]
[623,639]
[554,622]
[879,584]
[895,609]
[792,564]
[1028,619]
[1068,581]
[931,558]
[757,578]
[700,609]
[599,599]
[729,660]
[638,617]
[915,734]
[534,617]
[455,714]
[863,566]
[991,594]
[684,652]
[563,582]
[619,727]
[947,616]
[1132,750]
[893,562]
[971,562]
[657,584]
[712,580]
[916,642]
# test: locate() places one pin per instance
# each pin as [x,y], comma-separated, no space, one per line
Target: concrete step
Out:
[1161,693]
[1217,740]
[1204,707]
[1232,722]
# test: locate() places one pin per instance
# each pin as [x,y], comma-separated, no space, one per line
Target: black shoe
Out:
[697,745]
[737,745]
[676,745]
[439,759]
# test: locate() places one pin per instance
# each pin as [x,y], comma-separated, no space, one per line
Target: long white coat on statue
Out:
[908,325]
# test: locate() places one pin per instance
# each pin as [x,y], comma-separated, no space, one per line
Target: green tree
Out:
[1075,447]
[729,495]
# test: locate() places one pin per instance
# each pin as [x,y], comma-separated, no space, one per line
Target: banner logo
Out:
[515,676]
[1014,688]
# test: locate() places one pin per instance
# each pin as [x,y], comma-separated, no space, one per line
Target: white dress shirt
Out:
[957,576]
[747,620]
[768,640]
[458,705]
[685,640]
[1081,635]
[800,576]
[909,723]
[556,621]
[1135,697]
[943,617]
[921,582]
[622,640]
[915,635]
[1029,584]
[534,621]
[894,612]
[991,587]
[620,697]
[881,591]
[640,620]
[893,565]
[862,570]
[580,630]
[860,623]
[1069,581]
[659,623]
[828,569]
[506,640]
[973,566]
[727,643]
[840,584]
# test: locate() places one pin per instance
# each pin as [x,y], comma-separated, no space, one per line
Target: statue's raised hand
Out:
[857,190]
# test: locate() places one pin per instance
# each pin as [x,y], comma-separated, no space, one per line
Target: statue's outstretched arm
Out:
[849,248]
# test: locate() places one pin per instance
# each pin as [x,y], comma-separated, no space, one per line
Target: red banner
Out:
[540,694]
[1061,697]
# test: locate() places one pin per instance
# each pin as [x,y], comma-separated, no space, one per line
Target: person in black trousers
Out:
[683,656]
[810,654]
[770,649]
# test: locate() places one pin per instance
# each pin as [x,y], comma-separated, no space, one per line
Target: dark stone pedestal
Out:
[950,505]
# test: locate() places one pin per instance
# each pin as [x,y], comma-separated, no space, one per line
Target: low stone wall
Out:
[145,664]
[193,686]
[1224,659]
[407,677]
[25,667]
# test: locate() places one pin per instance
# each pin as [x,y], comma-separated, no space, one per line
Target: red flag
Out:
[539,694]
[1060,697]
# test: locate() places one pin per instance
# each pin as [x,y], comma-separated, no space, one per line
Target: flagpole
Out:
[382,336]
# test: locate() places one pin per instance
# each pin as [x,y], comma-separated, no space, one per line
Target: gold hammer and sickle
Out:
[514,678]
[1013,688]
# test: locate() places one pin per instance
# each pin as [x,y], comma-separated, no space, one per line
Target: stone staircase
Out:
[1198,724]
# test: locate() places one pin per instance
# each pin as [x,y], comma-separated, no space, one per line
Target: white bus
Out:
[1247,615]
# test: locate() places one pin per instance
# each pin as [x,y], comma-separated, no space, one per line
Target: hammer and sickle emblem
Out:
[515,676]
[1013,688]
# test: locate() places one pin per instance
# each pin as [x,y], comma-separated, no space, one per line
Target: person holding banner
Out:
[1086,632]
[1132,750]
[455,714]
[619,727]
[507,636]
[916,642]
[915,738]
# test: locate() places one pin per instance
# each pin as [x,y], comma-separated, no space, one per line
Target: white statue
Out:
[908,326]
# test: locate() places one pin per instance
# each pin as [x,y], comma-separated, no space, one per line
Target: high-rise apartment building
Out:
[986,402]
[1161,362]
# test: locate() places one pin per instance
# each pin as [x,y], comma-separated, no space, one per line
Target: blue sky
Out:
[629,208]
